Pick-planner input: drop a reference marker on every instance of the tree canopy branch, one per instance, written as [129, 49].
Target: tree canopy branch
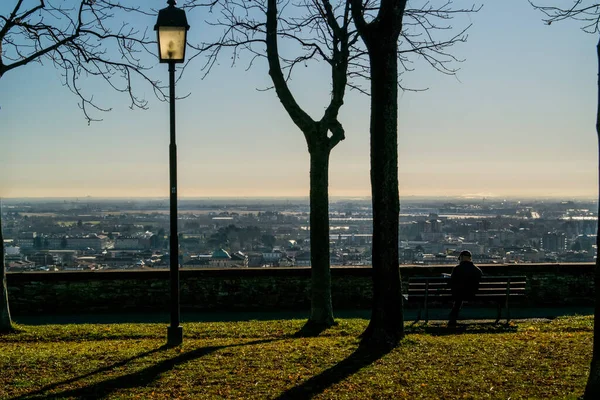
[82, 38]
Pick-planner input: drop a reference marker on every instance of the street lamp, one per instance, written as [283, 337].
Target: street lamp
[171, 31]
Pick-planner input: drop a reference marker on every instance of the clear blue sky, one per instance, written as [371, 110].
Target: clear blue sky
[518, 121]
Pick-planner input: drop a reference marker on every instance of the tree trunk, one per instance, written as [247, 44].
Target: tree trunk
[5, 320]
[592, 389]
[319, 147]
[386, 327]
[321, 312]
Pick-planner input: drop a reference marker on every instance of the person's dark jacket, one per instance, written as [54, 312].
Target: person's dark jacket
[464, 281]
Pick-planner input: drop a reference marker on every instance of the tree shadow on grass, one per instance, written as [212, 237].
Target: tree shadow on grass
[362, 357]
[9, 331]
[107, 368]
[311, 329]
[139, 378]
[474, 328]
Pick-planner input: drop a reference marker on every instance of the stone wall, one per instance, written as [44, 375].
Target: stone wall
[258, 288]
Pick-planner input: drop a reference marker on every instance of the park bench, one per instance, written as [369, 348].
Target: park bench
[501, 290]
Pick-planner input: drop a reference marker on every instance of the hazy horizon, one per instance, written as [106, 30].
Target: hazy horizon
[304, 198]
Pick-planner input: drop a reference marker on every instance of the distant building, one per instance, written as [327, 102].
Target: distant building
[19, 265]
[585, 242]
[25, 240]
[255, 259]
[222, 259]
[198, 261]
[474, 248]
[128, 242]
[63, 256]
[272, 257]
[239, 259]
[55, 242]
[303, 259]
[286, 262]
[408, 255]
[43, 258]
[117, 260]
[479, 236]
[554, 242]
[435, 225]
[93, 241]
[10, 251]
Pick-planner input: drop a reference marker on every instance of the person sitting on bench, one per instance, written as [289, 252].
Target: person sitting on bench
[464, 283]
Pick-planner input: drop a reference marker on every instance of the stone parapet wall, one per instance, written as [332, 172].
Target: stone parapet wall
[258, 288]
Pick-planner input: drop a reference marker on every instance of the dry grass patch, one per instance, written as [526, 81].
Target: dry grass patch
[263, 360]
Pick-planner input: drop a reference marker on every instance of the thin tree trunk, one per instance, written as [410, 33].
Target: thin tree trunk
[319, 148]
[5, 320]
[592, 389]
[386, 327]
[321, 313]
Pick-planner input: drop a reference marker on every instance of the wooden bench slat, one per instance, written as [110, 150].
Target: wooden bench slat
[438, 288]
[423, 280]
[481, 289]
[478, 294]
[504, 278]
[485, 278]
[499, 289]
[485, 285]
[503, 296]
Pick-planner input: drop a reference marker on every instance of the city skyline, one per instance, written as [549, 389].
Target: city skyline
[518, 121]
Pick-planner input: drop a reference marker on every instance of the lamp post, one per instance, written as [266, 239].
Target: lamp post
[171, 30]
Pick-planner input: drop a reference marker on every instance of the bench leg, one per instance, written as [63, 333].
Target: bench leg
[507, 296]
[418, 315]
[499, 315]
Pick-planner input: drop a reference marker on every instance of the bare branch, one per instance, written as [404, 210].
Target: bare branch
[298, 115]
[585, 11]
[83, 38]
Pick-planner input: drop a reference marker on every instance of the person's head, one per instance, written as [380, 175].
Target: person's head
[465, 255]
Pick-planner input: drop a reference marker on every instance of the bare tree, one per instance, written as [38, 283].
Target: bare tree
[389, 31]
[326, 31]
[320, 30]
[83, 39]
[321, 137]
[5, 320]
[588, 13]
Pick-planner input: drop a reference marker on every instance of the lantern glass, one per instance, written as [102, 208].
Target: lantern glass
[171, 43]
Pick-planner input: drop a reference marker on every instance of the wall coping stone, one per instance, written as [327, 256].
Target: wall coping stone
[336, 271]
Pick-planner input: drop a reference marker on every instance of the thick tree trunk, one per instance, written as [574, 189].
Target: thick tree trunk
[5, 320]
[321, 313]
[592, 389]
[386, 327]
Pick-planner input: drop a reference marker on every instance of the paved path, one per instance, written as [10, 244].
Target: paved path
[409, 315]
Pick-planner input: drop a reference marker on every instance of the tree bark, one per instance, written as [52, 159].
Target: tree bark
[592, 389]
[5, 320]
[319, 148]
[386, 327]
[321, 312]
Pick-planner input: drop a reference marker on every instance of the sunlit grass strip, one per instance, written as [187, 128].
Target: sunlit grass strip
[263, 359]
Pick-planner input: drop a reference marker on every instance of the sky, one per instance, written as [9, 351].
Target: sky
[518, 120]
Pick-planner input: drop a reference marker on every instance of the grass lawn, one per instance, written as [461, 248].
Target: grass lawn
[265, 360]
